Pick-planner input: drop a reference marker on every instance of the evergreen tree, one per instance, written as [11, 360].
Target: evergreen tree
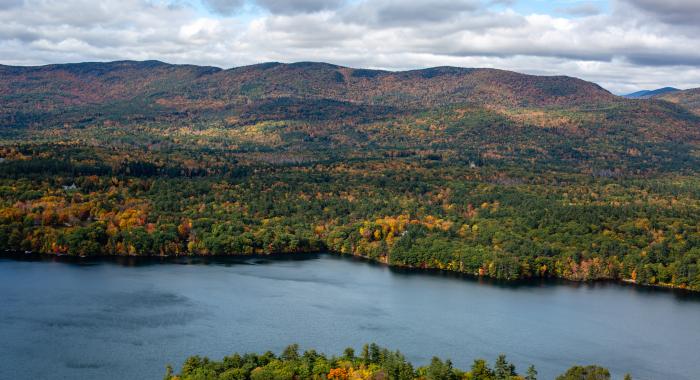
[531, 373]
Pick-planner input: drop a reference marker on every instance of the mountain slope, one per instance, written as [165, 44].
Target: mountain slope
[46, 89]
[59, 86]
[310, 111]
[646, 94]
[440, 85]
[689, 99]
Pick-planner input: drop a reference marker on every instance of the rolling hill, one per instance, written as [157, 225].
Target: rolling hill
[324, 111]
[93, 83]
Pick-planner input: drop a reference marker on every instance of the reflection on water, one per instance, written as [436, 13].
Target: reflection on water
[127, 317]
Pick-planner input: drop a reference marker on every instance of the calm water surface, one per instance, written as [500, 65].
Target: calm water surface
[127, 319]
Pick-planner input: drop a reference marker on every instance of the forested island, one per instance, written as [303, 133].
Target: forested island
[477, 171]
[374, 362]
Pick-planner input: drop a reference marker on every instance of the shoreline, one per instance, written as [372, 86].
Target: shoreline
[132, 260]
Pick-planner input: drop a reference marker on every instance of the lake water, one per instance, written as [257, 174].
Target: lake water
[127, 319]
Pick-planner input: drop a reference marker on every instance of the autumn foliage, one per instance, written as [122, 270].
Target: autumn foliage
[477, 171]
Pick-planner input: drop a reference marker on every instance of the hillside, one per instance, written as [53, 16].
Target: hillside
[53, 86]
[689, 99]
[646, 94]
[480, 171]
[419, 88]
[87, 93]
[324, 111]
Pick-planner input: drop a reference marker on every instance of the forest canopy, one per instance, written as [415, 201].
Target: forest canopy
[371, 363]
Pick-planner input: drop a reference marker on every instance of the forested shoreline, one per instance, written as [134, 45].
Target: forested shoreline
[508, 228]
[372, 362]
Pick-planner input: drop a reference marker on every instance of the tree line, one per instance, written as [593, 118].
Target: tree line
[372, 363]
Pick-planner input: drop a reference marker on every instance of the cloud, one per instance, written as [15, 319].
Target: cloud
[632, 45]
[397, 12]
[502, 2]
[299, 6]
[287, 7]
[226, 7]
[580, 10]
[670, 11]
[7, 4]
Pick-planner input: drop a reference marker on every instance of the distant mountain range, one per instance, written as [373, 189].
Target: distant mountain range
[688, 99]
[46, 88]
[645, 94]
[328, 110]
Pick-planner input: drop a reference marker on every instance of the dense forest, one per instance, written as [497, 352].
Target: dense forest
[479, 171]
[373, 363]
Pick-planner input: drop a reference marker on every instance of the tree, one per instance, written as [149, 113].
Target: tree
[503, 370]
[365, 354]
[481, 371]
[290, 353]
[439, 370]
[338, 374]
[395, 365]
[531, 373]
[590, 372]
[349, 354]
[375, 353]
[168, 372]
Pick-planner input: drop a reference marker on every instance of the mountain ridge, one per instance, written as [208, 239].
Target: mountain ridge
[335, 75]
[327, 108]
[645, 94]
[338, 107]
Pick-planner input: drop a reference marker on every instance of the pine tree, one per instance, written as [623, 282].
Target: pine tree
[531, 373]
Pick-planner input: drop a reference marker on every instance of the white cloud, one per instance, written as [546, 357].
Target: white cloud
[631, 47]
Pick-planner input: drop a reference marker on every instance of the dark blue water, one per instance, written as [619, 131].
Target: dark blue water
[128, 319]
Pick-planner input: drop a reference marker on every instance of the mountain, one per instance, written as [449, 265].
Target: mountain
[440, 85]
[40, 90]
[57, 88]
[323, 111]
[645, 94]
[689, 99]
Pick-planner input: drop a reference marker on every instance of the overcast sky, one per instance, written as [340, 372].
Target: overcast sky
[624, 45]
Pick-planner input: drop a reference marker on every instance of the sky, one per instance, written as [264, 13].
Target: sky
[623, 45]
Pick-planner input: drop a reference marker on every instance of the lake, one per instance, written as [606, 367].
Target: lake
[128, 318]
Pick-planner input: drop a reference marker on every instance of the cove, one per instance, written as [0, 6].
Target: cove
[128, 318]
